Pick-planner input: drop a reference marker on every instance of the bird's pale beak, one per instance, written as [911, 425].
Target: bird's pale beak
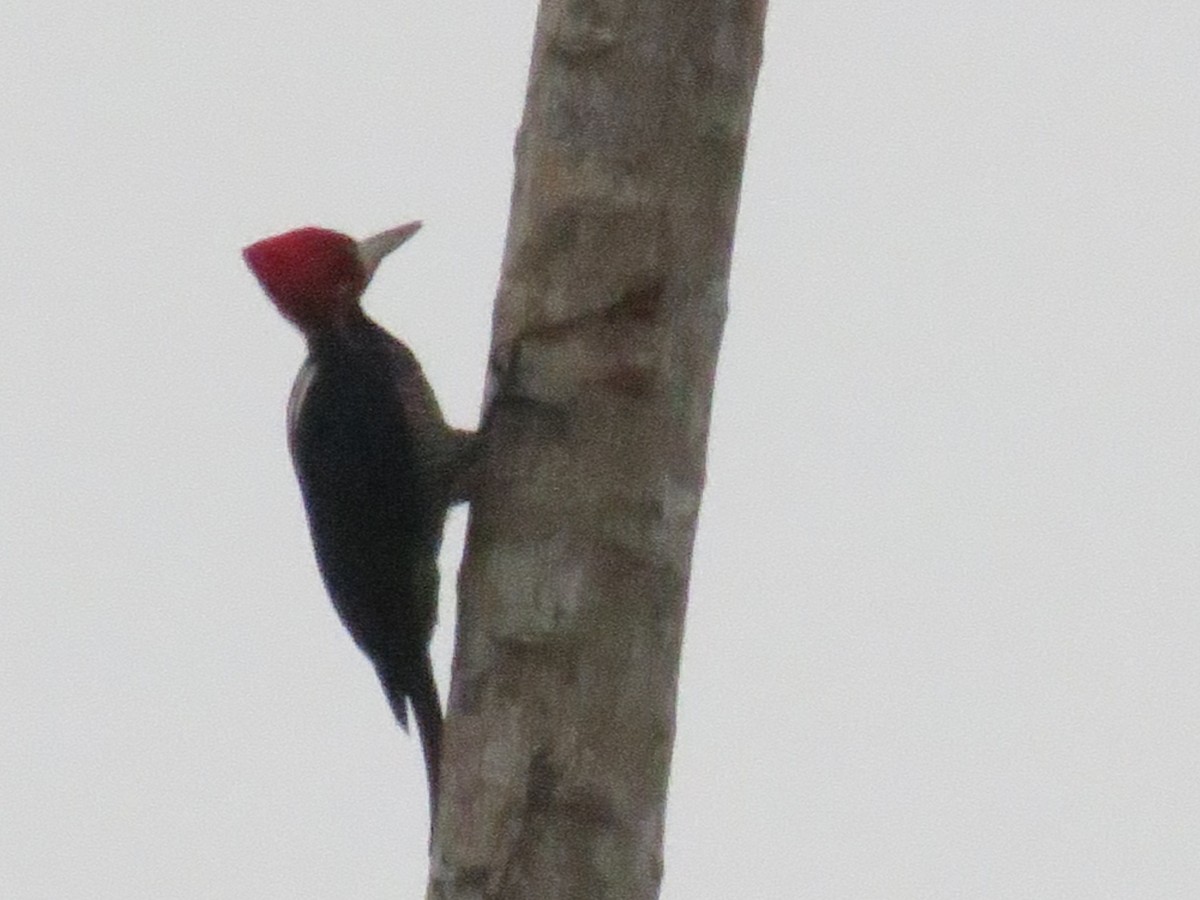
[372, 250]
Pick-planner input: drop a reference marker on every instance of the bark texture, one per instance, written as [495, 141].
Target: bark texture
[605, 336]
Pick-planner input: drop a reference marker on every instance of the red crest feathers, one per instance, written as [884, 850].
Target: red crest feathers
[314, 276]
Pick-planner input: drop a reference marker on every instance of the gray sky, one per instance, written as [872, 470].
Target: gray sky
[944, 638]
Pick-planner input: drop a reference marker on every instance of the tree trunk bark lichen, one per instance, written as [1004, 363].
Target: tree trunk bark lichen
[605, 335]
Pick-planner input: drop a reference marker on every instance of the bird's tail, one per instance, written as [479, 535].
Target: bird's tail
[423, 694]
[416, 686]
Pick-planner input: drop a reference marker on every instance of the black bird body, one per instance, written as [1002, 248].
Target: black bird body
[377, 466]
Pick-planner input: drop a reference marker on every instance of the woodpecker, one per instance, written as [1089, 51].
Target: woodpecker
[377, 464]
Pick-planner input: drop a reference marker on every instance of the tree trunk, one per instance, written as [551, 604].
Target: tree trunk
[606, 330]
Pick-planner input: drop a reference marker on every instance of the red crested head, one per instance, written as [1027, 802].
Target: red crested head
[315, 276]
